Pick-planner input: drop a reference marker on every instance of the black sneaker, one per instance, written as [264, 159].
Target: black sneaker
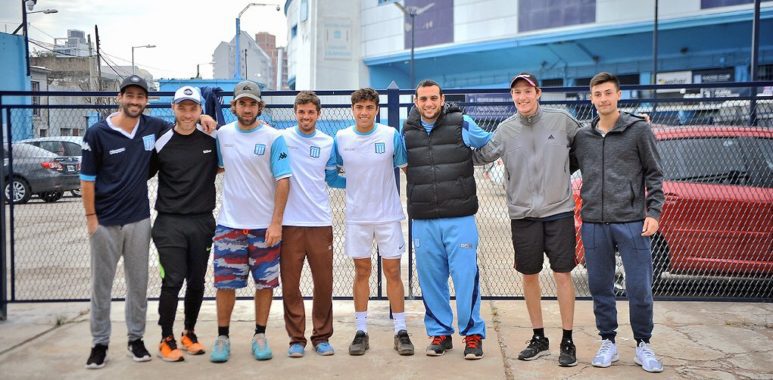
[473, 347]
[538, 347]
[360, 344]
[403, 344]
[568, 357]
[138, 352]
[98, 357]
[440, 344]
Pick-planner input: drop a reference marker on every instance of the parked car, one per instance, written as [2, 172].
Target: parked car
[66, 146]
[717, 219]
[40, 172]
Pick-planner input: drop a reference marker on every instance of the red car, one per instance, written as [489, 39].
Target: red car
[717, 219]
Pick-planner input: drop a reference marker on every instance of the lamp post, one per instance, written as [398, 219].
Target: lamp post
[27, 7]
[412, 12]
[139, 47]
[237, 51]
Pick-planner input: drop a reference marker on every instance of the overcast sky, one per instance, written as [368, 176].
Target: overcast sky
[185, 32]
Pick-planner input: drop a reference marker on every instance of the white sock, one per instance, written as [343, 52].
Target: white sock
[361, 318]
[399, 319]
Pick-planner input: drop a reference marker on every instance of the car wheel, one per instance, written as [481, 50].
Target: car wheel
[21, 190]
[660, 262]
[76, 193]
[51, 196]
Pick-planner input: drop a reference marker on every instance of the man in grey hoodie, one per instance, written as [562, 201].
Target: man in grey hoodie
[534, 146]
[618, 160]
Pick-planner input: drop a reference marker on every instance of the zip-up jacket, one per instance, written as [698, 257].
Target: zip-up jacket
[616, 168]
[535, 152]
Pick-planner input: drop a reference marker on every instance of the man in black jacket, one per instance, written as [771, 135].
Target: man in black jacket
[619, 160]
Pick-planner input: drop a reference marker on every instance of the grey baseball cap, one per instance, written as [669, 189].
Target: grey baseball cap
[247, 89]
[134, 80]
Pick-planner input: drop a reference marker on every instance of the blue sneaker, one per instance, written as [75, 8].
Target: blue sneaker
[295, 350]
[324, 349]
[221, 350]
[260, 348]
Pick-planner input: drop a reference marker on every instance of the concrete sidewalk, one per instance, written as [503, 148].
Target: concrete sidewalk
[694, 340]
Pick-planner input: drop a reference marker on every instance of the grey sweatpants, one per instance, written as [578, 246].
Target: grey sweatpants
[108, 244]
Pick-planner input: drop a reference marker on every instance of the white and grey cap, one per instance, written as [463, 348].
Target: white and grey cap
[247, 89]
[187, 93]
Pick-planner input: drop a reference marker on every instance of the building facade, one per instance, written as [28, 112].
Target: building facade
[483, 43]
[255, 64]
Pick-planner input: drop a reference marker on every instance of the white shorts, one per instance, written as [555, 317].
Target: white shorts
[389, 239]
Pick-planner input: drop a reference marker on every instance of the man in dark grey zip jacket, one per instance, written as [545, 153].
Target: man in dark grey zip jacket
[618, 160]
[534, 146]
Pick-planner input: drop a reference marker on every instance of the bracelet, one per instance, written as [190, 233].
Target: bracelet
[93, 213]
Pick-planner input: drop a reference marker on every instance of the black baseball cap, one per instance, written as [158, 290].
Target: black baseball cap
[134, 80]
[529, 78]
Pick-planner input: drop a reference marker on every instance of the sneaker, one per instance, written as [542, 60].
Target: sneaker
[221, 350]
[606, 355]
[295, 350]
[138, 352]
[324, 349]
[360, 343]
[190, 343]
[168, 351]
[568, 356]
[403, 344]
[646, 358]
[473, 347]
[439, 345]
[98, 357]
[260, 348]
[538, 347]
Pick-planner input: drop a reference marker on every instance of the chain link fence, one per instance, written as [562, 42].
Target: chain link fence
[715, 241]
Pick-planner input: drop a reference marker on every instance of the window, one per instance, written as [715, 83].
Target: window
[294, 31]
[724, 3]
[36, 99]
[546, 14]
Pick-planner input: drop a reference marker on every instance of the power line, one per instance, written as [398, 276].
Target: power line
[51, 50]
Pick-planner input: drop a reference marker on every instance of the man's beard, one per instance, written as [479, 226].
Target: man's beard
[132, 114]
[246, 121]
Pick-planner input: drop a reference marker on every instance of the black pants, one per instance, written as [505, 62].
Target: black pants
[183, 244]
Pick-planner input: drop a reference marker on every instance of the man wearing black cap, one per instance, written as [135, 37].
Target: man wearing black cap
[114, 172]
[534, 145]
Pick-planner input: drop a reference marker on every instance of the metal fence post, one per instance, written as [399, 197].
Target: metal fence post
[4, 238]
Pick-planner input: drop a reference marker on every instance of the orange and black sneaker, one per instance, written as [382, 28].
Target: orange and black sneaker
[473, 347]
[439, 345]
[191, 343]
[168, 351]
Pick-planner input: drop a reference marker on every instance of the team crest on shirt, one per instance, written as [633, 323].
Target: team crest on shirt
[149, 141]
[260, 149]
[380, 148]
[314, 151]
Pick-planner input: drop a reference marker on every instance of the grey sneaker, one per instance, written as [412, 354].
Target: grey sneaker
[568, 356]
[606, 355]
[538, 347]
[403, 344]
[360, 343]
[646, 358]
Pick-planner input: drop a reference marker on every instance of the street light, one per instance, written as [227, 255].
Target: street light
[45, 11]
[412, 12]
[237, 64]
[27, 7]
[138, 47]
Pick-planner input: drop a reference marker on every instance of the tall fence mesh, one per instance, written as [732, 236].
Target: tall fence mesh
[715, 238]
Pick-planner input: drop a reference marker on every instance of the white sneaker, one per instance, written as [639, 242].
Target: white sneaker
[606, 355]
[646, 358]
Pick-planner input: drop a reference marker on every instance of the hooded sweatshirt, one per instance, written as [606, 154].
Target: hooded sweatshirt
[616, 168]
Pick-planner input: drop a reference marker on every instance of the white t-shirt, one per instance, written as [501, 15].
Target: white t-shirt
[369, 161]
[253, 161]
[308, 204]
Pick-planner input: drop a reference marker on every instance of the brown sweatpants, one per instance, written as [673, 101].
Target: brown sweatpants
[316, 244]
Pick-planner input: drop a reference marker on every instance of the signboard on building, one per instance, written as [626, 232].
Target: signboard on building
[714, 75]
[337, 39]
[674, 77]
[434, 22]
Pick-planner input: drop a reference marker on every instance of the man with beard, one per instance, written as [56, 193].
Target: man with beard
[114, 172]
[186, 161]
[442, 204]
[256, 184]
[308, 228]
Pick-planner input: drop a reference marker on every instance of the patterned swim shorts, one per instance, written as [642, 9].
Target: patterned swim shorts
[239, 252]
